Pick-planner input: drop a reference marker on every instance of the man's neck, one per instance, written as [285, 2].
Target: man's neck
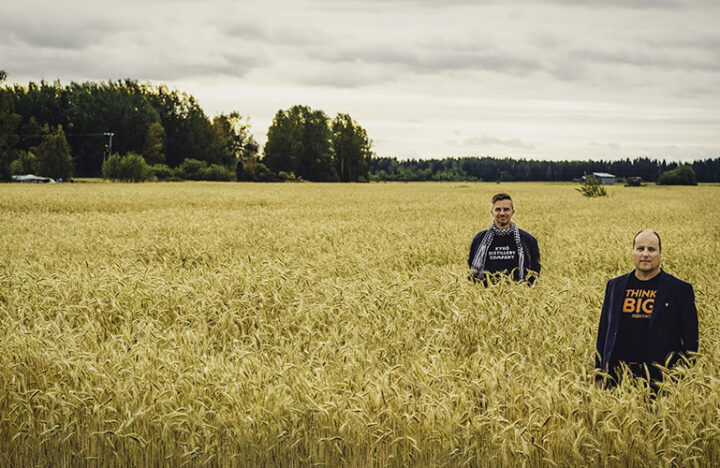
[502, 228]
[646, 276]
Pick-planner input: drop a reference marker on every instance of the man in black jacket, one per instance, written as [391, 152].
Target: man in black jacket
[503, 248]
[648, 317]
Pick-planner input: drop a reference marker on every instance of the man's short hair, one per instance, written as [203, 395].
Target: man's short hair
[501, 196]
[656, 235]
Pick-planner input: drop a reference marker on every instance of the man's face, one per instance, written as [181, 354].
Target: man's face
[646, 252]
[502, 211]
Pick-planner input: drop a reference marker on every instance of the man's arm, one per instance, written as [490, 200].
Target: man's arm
[473, 248]
[534, 255]
[602, 331]
[689, 324]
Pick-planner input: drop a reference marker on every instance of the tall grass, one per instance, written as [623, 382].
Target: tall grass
[262, 325]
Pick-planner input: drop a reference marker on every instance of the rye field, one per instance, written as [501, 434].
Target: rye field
[227, 324]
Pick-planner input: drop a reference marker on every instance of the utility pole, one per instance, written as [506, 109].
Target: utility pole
[108, 147]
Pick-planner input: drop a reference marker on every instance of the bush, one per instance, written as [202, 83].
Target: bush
[253, 170]
[26, 163]
[130, 168]
[161, 171]
[111, 168]
[681, 175]
[191, 169]
[289, 176]
[591, 187]
[134, 167]
[217, 173]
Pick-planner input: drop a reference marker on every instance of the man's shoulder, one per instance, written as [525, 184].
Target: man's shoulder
[619, 279]
[675, 281]
[526, 235]
[480, 234]
[666, 277]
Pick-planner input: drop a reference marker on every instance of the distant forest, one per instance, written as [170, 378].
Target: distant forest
[88, 123]
[507, 169]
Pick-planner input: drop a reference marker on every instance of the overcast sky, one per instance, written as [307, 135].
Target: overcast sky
[553, 79]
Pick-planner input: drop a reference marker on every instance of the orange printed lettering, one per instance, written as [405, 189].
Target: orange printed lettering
[647, 306]
[629, 305]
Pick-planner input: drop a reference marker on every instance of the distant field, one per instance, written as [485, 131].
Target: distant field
[302, 324]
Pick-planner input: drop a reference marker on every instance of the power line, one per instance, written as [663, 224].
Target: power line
[108, 146]
[67, 134]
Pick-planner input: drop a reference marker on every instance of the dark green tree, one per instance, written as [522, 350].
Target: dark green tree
[232, 140]
[188, 130]
[26, 163]
[299, 142]
[681, 175]
[154, 145]
[53, 154]
[351, 149]
[9, 139]
[129, 110]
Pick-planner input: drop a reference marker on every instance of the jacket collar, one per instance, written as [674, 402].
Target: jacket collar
[663, 290]
[618, 298]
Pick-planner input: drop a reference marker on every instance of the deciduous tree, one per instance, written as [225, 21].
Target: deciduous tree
[232, 140]
[351, 149]
[154, 145]
[9, 121]
[53, 154]
[299, 141]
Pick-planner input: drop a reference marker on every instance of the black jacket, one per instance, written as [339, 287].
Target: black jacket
[529, 244]
[673, 327]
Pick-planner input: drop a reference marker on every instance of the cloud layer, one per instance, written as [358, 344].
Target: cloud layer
[556, 78]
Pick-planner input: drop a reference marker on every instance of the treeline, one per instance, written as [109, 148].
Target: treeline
[507, 169]
[125, 130]
[82, 125]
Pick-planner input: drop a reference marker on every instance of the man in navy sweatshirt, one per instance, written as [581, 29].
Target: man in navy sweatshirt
[648, 318]
[504, 248]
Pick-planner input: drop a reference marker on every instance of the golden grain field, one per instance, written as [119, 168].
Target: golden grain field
[225, 324]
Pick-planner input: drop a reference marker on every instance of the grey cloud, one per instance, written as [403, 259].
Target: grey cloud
[246, 31]
[339, 80]
[174, 68]
[428, 60]
[488, 140]
[693, 92]
[283, 36]
[97, 65]
[711, 43]
[343, 75]
[56, 35]
[707, 44]
[639, 58]
[624, 4]
[629, 4]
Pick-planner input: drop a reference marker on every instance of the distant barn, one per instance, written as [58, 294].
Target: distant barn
[604, 178]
